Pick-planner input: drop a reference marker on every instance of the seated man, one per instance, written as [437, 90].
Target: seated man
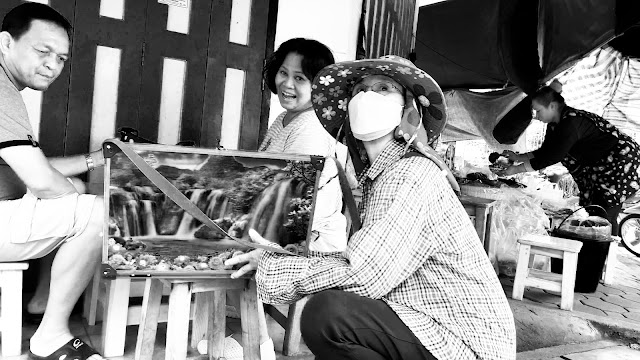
[40, 209]
[414, 281]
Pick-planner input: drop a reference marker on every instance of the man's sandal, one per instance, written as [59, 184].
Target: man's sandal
[75, 349]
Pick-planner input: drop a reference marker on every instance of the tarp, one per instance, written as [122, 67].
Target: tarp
[481, 44]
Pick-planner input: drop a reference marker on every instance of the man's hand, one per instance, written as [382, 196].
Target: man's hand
[249, 260]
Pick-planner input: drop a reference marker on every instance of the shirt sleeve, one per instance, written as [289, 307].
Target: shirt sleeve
[378, 258]
[556, 145]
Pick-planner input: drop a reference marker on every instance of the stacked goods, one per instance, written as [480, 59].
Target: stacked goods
[590, 228]
[130, 254]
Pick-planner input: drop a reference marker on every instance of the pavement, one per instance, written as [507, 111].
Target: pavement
[604, 325]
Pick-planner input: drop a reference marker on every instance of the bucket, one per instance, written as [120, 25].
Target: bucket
[591, 257]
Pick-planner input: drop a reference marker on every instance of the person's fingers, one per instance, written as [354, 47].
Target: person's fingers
[242, 271]
[236, 260]
[407, 137]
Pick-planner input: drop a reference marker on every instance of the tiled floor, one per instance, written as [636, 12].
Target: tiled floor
[92, 335]
[619, 301]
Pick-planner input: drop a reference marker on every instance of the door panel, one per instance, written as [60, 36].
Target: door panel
[249, 58]
[127, 36]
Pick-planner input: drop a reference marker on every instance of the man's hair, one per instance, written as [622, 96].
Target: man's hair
[315, 56]
[18, 21]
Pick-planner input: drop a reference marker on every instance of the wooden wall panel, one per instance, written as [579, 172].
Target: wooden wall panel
[92, 30]
[388, 27]
[249, 58]
[191, 47]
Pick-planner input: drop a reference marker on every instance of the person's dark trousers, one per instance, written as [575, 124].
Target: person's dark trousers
[338, 325]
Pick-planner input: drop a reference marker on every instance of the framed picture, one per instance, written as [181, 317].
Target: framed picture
[148, 234]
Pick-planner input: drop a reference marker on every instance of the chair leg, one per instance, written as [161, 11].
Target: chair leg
[91, 295]
[217, 324]
[249, 321]
[202, 304]
[522, 269]
[178, 321]
[569, 267]
[11, 313]
[610, 265]
[292, 335]
[114, 325]
[148, 327]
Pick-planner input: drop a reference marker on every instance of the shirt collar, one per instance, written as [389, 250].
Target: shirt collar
[390, 154]
[3, 67]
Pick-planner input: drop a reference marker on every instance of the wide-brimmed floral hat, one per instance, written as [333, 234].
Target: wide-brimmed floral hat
[331, 90]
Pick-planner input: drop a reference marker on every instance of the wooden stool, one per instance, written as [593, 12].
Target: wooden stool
[612, 260]
[11, 308]
[209, 319]
[553, 247]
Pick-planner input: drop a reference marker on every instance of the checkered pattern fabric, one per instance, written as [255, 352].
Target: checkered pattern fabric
[418, 251]
[606, 83]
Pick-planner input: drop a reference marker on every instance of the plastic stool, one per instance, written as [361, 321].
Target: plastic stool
[554, 247]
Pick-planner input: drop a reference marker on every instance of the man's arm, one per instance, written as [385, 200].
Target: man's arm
[77, 164]
[33, 168]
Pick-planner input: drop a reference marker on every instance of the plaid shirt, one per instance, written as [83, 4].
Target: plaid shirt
[417, 251]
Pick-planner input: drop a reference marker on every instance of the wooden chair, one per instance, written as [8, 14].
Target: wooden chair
[209, 319]
[553, 247]
[11, 308]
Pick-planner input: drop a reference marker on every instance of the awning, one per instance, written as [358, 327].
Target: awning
[470, 44]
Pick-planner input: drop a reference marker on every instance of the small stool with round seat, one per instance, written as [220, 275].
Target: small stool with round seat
[554, 247]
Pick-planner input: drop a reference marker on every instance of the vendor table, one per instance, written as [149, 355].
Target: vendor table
[480, 211]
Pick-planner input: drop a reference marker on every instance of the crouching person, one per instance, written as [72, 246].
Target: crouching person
[414, 281]
[40, 209]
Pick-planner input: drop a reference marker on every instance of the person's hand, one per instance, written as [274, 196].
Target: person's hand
[250, 260]
[410, 128]
[508, 171]
[512, 156]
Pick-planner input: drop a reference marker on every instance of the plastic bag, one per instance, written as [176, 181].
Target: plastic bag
[513, 217]
[579, 225]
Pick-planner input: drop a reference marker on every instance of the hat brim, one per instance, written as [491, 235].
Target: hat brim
[331, 91]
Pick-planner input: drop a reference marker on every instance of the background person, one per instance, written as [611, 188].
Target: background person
[414, 281]
[40, 209]
[288, 73]
[603, 161]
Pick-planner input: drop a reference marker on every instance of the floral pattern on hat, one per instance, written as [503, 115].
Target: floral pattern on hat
[332, 86]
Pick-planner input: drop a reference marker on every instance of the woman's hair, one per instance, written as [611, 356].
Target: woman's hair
[315, 56]
[548, 94]
[18, 21]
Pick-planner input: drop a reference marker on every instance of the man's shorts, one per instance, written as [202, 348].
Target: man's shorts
[31, 228]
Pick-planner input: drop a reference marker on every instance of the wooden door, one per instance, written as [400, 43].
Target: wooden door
[171, 77]
[173, 73]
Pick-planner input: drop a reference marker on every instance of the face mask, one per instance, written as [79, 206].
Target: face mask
[372, 115]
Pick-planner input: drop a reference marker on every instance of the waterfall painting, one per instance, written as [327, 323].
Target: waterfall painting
[273, 194]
